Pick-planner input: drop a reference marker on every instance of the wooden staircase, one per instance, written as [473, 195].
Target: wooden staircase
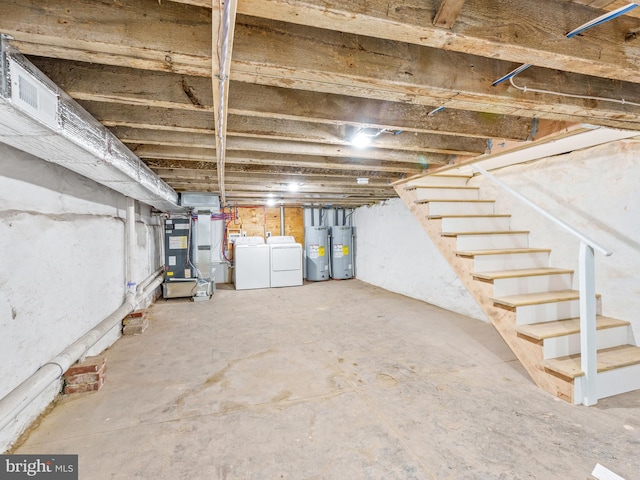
[531, 304]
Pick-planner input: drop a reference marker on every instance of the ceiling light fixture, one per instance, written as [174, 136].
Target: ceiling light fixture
[361, 140]
[362, 181]
[293, 187]
[271, 202]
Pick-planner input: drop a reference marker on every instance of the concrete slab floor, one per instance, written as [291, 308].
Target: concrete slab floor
[332, 380]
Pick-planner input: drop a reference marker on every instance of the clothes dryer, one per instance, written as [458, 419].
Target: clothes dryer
[286, 261]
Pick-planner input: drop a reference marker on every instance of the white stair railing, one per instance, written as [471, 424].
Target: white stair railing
[587, 281]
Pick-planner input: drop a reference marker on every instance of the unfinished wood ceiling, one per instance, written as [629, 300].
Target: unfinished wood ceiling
[304, 77]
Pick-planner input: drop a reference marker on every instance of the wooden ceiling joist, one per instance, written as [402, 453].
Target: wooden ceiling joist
[447, 13]
[304, 77]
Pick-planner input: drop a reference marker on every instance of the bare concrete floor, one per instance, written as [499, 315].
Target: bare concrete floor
[333, 380]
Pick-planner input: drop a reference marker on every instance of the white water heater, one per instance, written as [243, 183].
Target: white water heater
[341, 252]
[316, 247]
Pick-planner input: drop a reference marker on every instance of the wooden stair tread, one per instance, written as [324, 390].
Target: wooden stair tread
[570, 326]
[554, 296]
[446, 187]
[457, 201]
[608, 359]
[493, 232]
[519, 273]
[470, 215]
[450, 174]
[477, 253]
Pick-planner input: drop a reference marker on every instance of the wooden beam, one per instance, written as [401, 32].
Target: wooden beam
[362, 66]
[304, 132]
[236, 187]
[298, 196]
[259, 169]
[265, 177]
[514, 31]
[122, 85]
[105, 83]
[407, 114]
[447, 13]
[270, 158]
[71, 32]
[163, 36]
[293, 149]
[287, 160]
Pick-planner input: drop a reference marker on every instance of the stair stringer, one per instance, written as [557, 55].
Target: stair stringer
[530, 354]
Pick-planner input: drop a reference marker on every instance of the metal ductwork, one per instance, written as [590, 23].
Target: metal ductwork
[37, 117]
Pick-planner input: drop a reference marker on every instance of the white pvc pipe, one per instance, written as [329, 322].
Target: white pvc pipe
[20, 397]
[142, 285]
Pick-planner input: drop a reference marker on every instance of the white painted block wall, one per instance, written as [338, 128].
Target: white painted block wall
[597, 191]
[393, 252]
[62, 268]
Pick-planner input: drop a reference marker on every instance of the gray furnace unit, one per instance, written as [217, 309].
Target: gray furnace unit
[341, 252]
[316, 247]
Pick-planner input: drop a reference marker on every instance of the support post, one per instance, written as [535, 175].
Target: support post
[588, 347]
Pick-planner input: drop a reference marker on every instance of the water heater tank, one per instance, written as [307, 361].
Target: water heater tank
[341, 252]
[316, 247]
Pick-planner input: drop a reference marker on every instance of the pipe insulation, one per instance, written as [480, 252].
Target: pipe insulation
[19, 398]
[37, 117]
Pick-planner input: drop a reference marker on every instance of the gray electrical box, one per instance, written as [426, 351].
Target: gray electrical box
[178, 249]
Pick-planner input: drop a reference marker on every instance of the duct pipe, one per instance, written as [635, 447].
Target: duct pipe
[19, 398]
[281, 220]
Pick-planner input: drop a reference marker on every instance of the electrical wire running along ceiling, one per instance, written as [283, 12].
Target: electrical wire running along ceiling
[274, 111]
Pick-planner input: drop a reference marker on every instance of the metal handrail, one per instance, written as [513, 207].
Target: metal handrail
[540, 210]
[588, 343]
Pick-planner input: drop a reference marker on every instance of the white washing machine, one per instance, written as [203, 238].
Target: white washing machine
[252, 263]
[286, 261]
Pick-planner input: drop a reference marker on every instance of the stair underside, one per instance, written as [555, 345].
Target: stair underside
[519, 273]
[608, 359]
[514, 301]
[559, 328]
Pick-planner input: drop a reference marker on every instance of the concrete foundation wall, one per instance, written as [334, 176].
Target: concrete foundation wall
[394, 252]
[595, 191]
[63, 264]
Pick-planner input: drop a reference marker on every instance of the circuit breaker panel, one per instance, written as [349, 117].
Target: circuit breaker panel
[177, 249]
